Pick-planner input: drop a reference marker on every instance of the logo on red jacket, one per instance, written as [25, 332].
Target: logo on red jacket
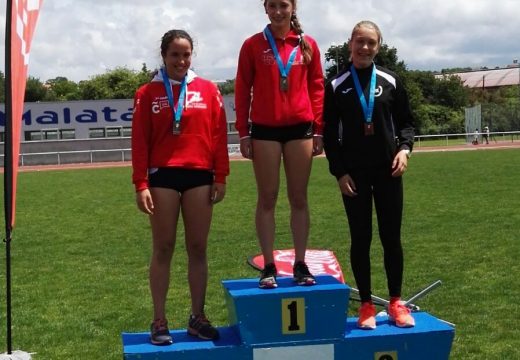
[194, 100]
[269, 59]
[160, 103]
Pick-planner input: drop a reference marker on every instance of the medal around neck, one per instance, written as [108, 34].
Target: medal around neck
[284, 84]
[284, 69]
[177, 113]
[369, 129]
[176, 128]
[366, 105]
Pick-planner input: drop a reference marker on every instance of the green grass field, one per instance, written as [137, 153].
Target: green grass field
[440, 141]
[80, 253]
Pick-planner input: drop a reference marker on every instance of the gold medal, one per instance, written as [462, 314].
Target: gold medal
[284, 84]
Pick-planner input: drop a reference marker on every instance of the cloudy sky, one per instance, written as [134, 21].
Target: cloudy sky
[82, 38]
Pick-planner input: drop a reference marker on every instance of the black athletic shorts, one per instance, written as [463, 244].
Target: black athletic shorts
[282, 134]
[179, 179]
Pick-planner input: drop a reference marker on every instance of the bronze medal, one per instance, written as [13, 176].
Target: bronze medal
[369, 129]
[284, 84]
[176, 128]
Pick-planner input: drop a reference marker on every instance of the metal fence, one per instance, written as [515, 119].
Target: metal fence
[464, 138]
[86, 156]
[122, 155]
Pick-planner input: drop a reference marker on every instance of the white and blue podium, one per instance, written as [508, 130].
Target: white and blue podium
[298, 322]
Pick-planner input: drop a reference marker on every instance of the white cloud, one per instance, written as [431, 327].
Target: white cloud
[82, 38]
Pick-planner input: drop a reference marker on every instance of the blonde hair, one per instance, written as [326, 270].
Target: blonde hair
[368, 24]
[305, 47]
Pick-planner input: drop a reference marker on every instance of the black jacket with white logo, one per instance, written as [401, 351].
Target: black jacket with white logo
[346, 145]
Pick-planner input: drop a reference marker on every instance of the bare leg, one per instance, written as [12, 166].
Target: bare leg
[266, 162]
[196, 213]
[297, 159]
[164, 228]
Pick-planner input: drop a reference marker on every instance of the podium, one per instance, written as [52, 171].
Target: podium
[298, 322]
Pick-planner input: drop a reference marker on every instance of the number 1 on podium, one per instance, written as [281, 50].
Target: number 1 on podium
[293, 316]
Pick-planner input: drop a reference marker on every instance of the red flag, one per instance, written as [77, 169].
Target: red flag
[24, 14]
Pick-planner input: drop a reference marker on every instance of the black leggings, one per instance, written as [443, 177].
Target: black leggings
[387, 193]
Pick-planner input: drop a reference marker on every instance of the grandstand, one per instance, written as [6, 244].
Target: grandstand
[486, 79]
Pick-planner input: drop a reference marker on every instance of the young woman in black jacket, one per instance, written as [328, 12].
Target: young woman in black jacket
[368, 137]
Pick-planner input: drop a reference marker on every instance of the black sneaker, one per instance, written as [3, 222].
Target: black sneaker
[159, 333]
[268, 277]
[302, 275]
[199, 325]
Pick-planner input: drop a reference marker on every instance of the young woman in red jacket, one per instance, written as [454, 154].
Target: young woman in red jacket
[180, 163]
[279, 99]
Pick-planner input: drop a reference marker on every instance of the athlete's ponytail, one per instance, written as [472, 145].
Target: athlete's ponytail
[304, 44]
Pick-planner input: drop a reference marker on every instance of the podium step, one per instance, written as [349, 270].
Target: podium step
[289, 313]
[137, 346]
[430, 339]
[295, 322]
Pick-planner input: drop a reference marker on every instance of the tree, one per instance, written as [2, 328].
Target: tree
[414, 89]
[425, 80]
[387, 57]
[438, 119]
[35, 90]
[449, 91]
[144, 75]
[120, 83]
[227, 88]
[339, 56]
[455, 70]
[61, 88]
[436, 103]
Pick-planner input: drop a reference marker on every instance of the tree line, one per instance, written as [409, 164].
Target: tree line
[119, 83]
[437, 102]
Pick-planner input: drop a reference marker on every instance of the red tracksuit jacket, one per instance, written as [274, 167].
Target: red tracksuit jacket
[202, 143]
[257, 92]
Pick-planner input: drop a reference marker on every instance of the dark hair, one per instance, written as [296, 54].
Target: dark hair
[305, 47]
[171, 35]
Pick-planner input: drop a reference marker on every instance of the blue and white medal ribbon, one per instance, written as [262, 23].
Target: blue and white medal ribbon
[177, 113]
[284, 69]
[368, 107]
